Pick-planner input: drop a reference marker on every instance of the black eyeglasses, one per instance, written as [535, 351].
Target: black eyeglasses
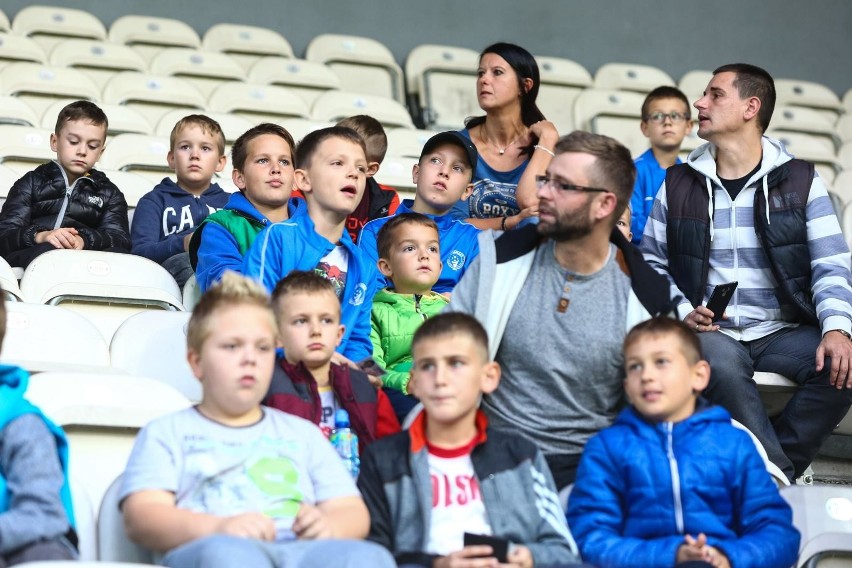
[542, 181]
[662, 116]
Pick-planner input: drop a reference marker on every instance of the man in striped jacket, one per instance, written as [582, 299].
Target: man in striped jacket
[742, 209]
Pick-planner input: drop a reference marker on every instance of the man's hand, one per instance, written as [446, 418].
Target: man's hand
[62, 238]
[701, 319]
[248, 525]
[468, 557]
[311, 524]
[839, 348]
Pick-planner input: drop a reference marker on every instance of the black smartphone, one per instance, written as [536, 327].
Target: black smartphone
[499, 546]
[370, 367]
[720, 298]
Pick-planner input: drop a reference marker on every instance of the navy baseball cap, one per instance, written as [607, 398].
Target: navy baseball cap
[452, 137]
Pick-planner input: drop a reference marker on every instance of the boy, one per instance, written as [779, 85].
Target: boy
[36, 518]
[66, 203]
[623, 223]
[166, 217]
[229, 483]
[442, 177]
[262, 158]
[331, 170]
[673, 480]
[450, 473]
[306, 383]
[410, 258]
[665, 122]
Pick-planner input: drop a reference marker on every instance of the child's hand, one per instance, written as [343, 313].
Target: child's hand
[468, 557]
[692, 549]
[62, 238]
[716, 557]
[520, 557]
[248, 525]
[311, 524]
[515, 220]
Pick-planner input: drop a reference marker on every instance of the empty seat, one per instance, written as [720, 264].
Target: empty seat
[336, 105]
[205, 70]
[407, 142]
[132, 186]
[100, 60]
[152, 95]
[805, 120]
[812, 148]
[4, 22]
[113, 543]
[561, 82]
[9, 282]
[631, 77]
[842, 186]
[8, 177]
[258, 102]
[299, 127]
[41, 85]
[232, 125]
[148, 35]
[22, 147]
[122, 119]
[844, 155]
[808, 94]
[307, 79]
[693, 84]
[823, 516]
[396, 172]
[246, 44]
[847, 101]
[15, 48]
[442, 82]
[139, 154]
[15, 111]
[153, 344]
[613, 113]
[843, 128]
[364, 65]
[49, 25]
[48, 338]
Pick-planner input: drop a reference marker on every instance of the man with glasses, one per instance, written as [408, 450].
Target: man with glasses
[557, 299]
[743, 210]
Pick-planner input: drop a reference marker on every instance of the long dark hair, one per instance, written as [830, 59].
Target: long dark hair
[525, 67]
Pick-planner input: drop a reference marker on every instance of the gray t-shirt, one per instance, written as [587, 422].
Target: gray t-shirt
[562, 372]
[271, 466]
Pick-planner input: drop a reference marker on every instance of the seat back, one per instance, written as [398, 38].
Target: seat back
[113, 543]
[40, 85]
[246, 44]
[823, 515]
[132, 186]
[139, 154]
[613, 113]
[818, 150]
[693, 84]
[149, 35]
[205, 70]
[631, 77]
[442, 80]
[333, 106]
[808, 94]
[396, 172]
[48, 25]
[232, 125]
[805, 120]
[152, 95]
[122, 119]
[22, 148]
[9, 282]
[407, 142]
[100, 60]
[13, 110]
[258, 102]
[561, 82]
[308, 79]
[17, 49]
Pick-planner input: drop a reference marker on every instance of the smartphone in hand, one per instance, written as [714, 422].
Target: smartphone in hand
[499, 546]
[720, 298]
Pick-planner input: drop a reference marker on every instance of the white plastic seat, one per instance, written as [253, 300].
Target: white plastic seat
[47, 338]
[631, 77]
[8, 177]
[140, 154]
[843, 128]
[15, 111]
[5, 26]
[100, 60]
[336, 105]
[191, 294]
[613, 113]
[300, 127]
[203, 69]
[842, 186]
[246, 44]
[49, 25]
[815, 149]
[561, 82]
[15, 49]
[847, 101]
[307, 79]
[844, 156]
[693, 84]
[258, 102]
[149, 35]
[113, 543]
[808, 94]
[407, 142]
[823, 516]
[364, 65]
[9, 282]
[804, 120]
[776, 390]
[40, 85]
[232, 125]
[153, 344]
[152, 95]
[132, 186]
[442, 81]
[396, 172]
[85, 515]
[23, 147]
[122, 119]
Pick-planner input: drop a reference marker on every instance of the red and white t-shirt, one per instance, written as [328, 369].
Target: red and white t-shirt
[457, 505]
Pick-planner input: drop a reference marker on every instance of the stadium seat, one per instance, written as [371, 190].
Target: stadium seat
[307, 79]
[613, 113]
[113, 544]
[153, 344]
[205, 70]
[8, 177]
[690, 142]
[407, 142]
[842, 186]
[16, 49]
[561, 82]
[49, 25]
[804, 120]
[41, 85]
[258, 102]
[364, 65]
[132, 186]
[139, 154]
[693, 84]
[823, 516]
[441, 82]
[122, 119]
[812, 148]
[808, 94]
[775, 392]
[847, 101]
[15, 111]
[232, 125]
[336, 105]
[844, 155]
[246, 44]
[299, 127]
[843, 128]
[152, 95]
[100, 60]
[148, 35]
[5, 26]
[9, 282]
[631, 77]
[191, 294]
[85, 515]
[22, 148]
[105, 287]
[396, 172]
[48, 338]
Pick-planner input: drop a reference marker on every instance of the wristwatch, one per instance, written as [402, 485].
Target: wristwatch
[845, 333]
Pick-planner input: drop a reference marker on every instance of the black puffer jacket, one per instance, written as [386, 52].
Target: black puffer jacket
[97, 209]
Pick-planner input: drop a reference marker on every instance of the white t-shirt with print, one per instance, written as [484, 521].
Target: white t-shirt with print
[333, 267]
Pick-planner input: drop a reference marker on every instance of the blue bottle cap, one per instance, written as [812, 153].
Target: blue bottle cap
[341, 419]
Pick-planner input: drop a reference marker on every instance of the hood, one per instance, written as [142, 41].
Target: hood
[704, 414]
[387, 296]
[238, 202]
[170, 187]
[13, 385]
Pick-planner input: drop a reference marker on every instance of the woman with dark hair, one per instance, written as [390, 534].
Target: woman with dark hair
[514, 140]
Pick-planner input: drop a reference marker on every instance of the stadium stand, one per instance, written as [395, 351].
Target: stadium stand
[14, 110]
[15, 48]
[48, 25]
[257, 102]
[407, 142]
[299, 127]
[333, 106]
[843, 128]
[22, 148]
[4, 22]
[149, 35]
[113, 544]
[816, 149]
[152, 95]
[100, 60]
[614, 113]
[40, 85]
[693, 84]
[631, 77]
[844, 155]
[808, 94]
[805, 120]
[131, 185]
[561, 81]
[847, 101]
[9, 282]
[441, 85]
[139, 154]
[246, 44]
[122, 119]
[232, 124]
[307, 79]
[396, 172]
[205, 70]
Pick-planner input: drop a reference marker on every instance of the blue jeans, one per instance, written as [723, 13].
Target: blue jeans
[224, 551]
[792, 439]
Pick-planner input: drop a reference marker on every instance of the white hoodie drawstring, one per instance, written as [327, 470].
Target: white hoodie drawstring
[710, 204]
[766, 196]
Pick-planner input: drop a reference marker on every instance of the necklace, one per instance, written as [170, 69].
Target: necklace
[500, 150]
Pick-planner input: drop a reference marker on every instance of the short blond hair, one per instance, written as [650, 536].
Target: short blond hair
[207, 126]
[232, 290]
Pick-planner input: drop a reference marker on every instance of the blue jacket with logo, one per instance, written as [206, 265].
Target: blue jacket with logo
[642, 486]
[459, 246]
[295, 245]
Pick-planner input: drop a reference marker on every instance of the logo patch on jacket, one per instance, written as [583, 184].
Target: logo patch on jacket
[456, 260]
[359, 295]
[96, 200]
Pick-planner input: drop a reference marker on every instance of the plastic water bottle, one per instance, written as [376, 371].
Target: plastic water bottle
[345, 442]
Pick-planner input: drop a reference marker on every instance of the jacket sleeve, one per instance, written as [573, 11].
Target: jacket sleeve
[397, 380]
[596, 517]
[112, 231]
[371, 486]
[554, 545]
[16, 229]
[217, 252]
[386, 421]
[654, 247]
[641, 204]
[264, 257]
[766, 535]
[358, 346]
[147, 229]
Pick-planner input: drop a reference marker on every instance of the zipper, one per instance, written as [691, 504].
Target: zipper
[417, 309]
[678, 506]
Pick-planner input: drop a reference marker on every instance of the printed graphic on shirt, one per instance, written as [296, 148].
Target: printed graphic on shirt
[329, 407]
[175, 221]
[334, 267]
[493, 199]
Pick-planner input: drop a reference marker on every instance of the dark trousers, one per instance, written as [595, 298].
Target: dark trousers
[54, 549]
